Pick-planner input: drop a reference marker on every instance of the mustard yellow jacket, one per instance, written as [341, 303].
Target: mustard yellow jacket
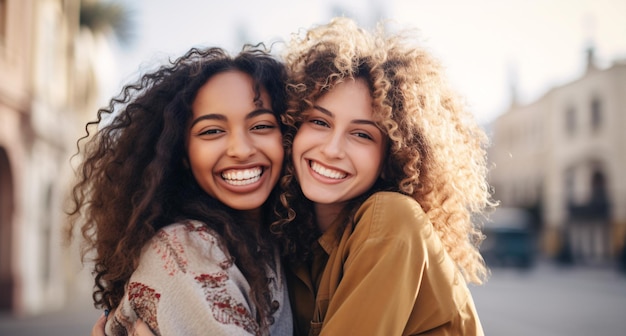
[388, 274]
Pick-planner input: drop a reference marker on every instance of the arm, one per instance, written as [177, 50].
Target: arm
[142, 329]
[98, 328]
[139, 329]
[185, 285]
[397, 278]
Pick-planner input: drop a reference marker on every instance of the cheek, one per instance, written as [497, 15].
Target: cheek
[201, 156]
[273, 146]
[194, 151]
[297, 151]
[378, 160]
[299, 141]
[192, 154]
[279, 154]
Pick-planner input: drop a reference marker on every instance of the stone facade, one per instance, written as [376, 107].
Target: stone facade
[563, 156]
[40, 110]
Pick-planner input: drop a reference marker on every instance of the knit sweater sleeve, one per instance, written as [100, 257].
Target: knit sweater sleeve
[185, 284]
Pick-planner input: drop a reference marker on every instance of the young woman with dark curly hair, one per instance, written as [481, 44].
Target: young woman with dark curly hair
[394, 167]
[175, 195]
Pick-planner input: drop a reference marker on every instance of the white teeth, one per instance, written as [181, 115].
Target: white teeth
[330, 173]
[241, 177]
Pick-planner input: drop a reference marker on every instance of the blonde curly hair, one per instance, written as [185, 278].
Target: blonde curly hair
[436, 152]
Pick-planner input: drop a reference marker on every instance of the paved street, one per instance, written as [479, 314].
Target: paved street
[551, 301]
[76, 320]
[545, 301]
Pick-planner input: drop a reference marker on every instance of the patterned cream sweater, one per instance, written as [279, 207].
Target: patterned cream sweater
[186, 285]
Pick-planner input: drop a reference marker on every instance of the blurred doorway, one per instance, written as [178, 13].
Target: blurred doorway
[589, 229]
[7, 284]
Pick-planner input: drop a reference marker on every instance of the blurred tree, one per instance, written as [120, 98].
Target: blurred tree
[107, 18]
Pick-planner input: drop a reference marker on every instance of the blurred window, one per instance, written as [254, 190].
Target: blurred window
[569, 185]
[596, 114]
[570, 121]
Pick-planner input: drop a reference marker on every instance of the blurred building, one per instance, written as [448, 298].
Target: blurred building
[45, 86]
[563, 157]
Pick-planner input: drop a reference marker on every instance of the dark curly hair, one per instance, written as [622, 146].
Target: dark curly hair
[436, 150]
[132, 180]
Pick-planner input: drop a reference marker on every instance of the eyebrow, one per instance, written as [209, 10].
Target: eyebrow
[221, 117]
[355, 121]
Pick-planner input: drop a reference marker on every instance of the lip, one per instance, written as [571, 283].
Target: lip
[247, 188]
[322, 178]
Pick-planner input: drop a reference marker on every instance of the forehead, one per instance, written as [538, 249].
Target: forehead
[228, 92]
[350, 97]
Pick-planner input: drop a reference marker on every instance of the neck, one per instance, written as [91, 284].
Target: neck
[252, 220]
[326, 215]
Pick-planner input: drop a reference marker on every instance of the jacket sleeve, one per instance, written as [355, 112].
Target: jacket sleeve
[397, 278]
[184, 286]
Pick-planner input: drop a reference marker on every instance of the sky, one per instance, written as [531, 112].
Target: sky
[486, 46]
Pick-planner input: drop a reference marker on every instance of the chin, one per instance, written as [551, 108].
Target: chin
[246, 204]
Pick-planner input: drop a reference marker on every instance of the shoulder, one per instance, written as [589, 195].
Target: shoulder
[188, 241]
[191, 232]
[392, 213]
[387, 204]
[188, 228]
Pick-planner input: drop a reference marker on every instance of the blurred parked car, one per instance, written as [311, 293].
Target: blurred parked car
[510, 240]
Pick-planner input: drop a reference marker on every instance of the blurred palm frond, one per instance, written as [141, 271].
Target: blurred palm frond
[105, 18]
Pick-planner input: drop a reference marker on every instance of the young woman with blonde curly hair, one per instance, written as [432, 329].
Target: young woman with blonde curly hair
[394, 167]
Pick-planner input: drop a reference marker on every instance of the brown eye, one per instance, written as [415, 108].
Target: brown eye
[260, 127]
[319, 122]
[211, 132]
[363, 135]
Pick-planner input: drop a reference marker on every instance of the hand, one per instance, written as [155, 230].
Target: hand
[141, 329]
[98, 328]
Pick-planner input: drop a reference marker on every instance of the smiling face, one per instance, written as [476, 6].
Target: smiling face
[338, 150]
[234, 146]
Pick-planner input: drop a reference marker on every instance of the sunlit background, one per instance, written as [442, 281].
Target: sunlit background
[487, 45]
[547, 80]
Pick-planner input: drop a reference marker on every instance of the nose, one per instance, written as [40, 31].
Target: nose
[240, 146]
[333, 146]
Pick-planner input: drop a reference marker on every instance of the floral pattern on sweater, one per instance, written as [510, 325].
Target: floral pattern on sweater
[187, 284]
